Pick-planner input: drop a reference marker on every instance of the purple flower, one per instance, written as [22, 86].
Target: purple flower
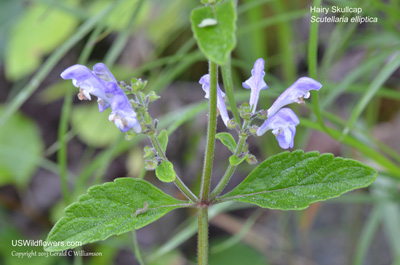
[256, 83]
[122, 114]
[295, 93]
[283, 125]
[90, 83]
[205, 82]
[102, 84]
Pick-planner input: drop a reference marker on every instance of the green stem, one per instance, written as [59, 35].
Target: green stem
[178, 182]
[136, 248]
[228, 83]
[230, 170]
[202, 238]
[212, 127]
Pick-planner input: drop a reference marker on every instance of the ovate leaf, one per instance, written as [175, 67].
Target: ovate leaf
[111, 209]
[216, 41]
[227, 140]
[292, 181]
[165, 171]
[163, 139]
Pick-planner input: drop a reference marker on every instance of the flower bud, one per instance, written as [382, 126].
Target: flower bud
[251, 159]
[151, 164]
[149, 152]
[152, 96]
[245, 111]
[253, 129]
[138, 84]
[231, 124]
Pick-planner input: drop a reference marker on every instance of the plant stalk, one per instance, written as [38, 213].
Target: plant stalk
[212, 126]
[229, 171]
[202, 238]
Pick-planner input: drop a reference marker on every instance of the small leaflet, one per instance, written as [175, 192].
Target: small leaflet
[207, 22]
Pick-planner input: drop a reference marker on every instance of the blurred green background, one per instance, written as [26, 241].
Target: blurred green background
[47, 135]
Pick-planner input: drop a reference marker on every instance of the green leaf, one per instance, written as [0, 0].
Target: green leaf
[21, 149]
[292, 181]
[39, 31]
[235, 160]
[215, 41]
[163, 139]
[227, 140]
[93, 127]
[111, 209]
[165, 171]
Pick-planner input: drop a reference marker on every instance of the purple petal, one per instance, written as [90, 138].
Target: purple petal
[205, 82]
[295, 94]
[256, 82]
[122, 114]
[283, 125]
[101, 71]
[88, 82]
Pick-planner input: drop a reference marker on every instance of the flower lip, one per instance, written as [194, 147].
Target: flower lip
[257, 75]
[294, 94]
[87, 81]
[256, 82]
[283, 125]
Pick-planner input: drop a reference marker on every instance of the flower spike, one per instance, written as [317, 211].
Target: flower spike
[205, 82]
[283, 125]
[296, 93]
[256, 83]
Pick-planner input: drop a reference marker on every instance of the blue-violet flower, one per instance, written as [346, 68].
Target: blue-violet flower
[283, 125]
[122, 114]
[102, 84]
[89, 83]
[256, 83]
[205, 82]
[296, 93]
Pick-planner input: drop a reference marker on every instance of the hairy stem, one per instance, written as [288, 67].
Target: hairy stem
[178, 182]
[212, 126]
[231, 169]
[202, 238]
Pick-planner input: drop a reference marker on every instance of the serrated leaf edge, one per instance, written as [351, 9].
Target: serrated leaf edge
[312, 154]
[87, 196]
